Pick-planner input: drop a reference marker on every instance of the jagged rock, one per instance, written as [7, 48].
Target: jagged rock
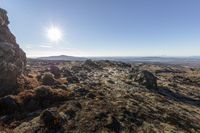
[146, 78]
[3, 17]
[12, 58]
[52, 120]
[55, 71]
[48, 79]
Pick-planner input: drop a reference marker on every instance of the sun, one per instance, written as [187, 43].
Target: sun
[54, 33]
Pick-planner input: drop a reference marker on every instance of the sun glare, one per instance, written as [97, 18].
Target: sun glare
[54, 33]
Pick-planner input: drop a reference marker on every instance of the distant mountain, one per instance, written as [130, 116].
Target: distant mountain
[191, 61]
[63, 58]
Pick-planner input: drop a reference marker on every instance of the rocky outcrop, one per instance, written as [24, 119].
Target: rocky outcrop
[12, 58]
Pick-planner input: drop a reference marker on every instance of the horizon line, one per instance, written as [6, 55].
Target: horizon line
[156, 56]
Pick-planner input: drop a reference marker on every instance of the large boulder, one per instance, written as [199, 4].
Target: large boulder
[146, 78]
[12, 58]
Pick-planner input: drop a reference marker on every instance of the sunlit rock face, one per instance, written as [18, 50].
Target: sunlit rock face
[12, 58]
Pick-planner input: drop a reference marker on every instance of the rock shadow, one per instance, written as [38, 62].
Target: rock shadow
[175, 96]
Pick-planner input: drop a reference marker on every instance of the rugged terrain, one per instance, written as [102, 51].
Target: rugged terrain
[93, 96]
[103, 96]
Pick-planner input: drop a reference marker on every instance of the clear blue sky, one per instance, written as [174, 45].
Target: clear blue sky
[107, 27]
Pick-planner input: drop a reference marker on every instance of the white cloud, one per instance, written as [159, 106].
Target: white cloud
[45, 46]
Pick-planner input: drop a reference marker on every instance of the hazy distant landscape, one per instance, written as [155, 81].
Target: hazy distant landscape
[187, 61]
